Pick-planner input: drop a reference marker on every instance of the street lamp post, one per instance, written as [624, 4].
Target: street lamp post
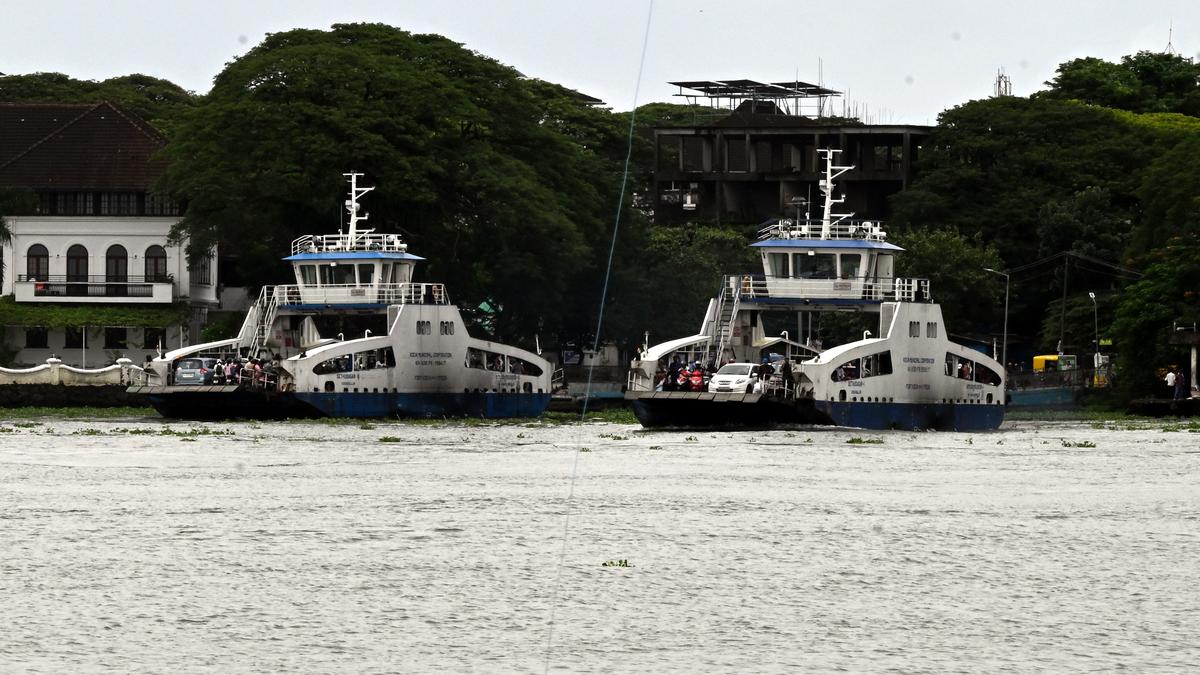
[1004, 340]
[1096, 324]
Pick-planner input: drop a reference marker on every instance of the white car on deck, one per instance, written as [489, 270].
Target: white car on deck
[734, 377]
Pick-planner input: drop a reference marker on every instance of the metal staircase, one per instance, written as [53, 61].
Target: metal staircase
[257, 326]
[727, 309]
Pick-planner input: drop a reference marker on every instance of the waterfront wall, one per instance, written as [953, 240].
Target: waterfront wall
[55, 384]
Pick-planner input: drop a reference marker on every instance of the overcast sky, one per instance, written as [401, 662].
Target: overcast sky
[900, 62]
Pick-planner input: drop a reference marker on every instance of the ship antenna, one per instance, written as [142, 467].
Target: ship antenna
[352, 206]
[829, 218]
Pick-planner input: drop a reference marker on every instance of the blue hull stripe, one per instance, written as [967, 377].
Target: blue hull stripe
[941, 416]
[466, 404]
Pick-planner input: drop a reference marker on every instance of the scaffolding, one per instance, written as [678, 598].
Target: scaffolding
[801, 99]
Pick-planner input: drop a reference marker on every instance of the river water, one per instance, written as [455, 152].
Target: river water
[310, 547]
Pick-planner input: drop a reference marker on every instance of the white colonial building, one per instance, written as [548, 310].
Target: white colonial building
[89, 271]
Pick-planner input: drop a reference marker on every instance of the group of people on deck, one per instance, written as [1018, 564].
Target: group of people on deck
[253, 372]
[685, 377]
[681, 376]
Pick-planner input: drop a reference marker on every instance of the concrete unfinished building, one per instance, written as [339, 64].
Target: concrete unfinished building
[753, 156]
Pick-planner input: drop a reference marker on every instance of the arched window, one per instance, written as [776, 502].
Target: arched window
[116, 264]
[37, 263]
[77, 270]
[156, 263]
[77, 263]
[116, 268]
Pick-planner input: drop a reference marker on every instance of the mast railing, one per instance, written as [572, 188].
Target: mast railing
[787, 228]
[333, 243]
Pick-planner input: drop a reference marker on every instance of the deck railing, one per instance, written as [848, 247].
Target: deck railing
[349, 294]
[756, 287]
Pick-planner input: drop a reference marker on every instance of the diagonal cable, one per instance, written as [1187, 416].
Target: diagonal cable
[587, 394]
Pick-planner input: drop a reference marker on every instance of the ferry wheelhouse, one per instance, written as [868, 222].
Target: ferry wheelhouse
[424, 364]
[907, 375]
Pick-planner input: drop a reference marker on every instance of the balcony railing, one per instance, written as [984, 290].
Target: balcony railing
[74, 288]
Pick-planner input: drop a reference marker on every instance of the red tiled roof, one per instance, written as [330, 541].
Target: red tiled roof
[90, 146]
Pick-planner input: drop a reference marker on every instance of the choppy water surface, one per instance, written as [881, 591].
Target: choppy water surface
[315, 547]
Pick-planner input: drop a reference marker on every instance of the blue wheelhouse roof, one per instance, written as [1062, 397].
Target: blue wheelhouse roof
[355, 255]
[826, 243]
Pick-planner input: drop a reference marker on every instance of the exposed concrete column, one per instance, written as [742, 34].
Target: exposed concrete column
[906, 163]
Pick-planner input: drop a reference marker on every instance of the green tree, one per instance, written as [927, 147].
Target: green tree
[1086, 222]
[1097, 81]
[476, 165]
[956, 268]
[1142, 82]
[1170, 197]
[155, 100]
[1169, 293]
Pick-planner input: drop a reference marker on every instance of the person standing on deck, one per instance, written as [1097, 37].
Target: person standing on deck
[1170, 381]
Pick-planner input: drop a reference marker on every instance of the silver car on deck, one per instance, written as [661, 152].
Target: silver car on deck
[195, 371]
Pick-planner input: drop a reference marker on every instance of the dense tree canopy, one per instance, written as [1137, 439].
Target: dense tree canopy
[1042, 176]
[502, 183]
[1144, 82]
[155, 100]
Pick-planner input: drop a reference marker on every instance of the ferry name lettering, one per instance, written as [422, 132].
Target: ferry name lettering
[974, 386]
[917, 359]
[428, 355]
[910, 385]
[918, 369]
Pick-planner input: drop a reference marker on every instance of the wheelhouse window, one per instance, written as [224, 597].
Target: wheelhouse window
[366, 273]
[779, 264]
[851, 265]
[156, 263]
[816, 265]
[308, 275]
[337, 275]
[37, 263]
